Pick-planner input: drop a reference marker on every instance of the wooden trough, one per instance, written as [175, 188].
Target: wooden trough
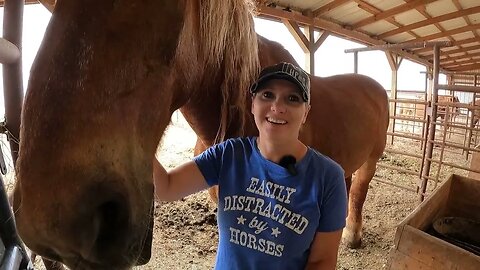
[416, 247]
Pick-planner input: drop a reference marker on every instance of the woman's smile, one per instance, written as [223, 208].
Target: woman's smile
[276, 121]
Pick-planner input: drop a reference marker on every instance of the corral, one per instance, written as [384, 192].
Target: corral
[432, 156]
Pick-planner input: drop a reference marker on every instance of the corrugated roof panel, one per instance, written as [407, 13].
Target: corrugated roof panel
[409, 17]
[319, 3]
[440, 7]
[475, 51]
[468, 3]
[302, 4]
[426, 30]
[462, 36]
[474, 18]
[456, 54]
[399, 38]
[347, 14]
[378, 27]
[385, 5]
[453, 24]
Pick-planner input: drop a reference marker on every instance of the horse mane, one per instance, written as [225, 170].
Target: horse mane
[229, 41]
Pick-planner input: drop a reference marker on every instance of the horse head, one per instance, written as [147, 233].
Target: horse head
[105, 82]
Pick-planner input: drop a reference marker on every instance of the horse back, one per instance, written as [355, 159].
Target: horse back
[348, 119]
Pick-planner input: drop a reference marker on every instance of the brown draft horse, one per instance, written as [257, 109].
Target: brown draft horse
[103, 87]
[348, 122]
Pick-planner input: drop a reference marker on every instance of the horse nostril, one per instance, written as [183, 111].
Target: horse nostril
[112, 223]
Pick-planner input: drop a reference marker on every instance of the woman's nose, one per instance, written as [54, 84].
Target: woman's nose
[279, 106]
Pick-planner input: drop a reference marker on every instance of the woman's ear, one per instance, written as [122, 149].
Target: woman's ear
[306, 114]
[251, 107]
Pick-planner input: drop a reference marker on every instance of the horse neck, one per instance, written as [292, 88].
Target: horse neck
[229, 63]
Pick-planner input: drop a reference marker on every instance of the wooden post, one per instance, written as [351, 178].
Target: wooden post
[306, 42]
[431, 130]
[394, 60]
[310, 53]
[355, 62]
[12, 74]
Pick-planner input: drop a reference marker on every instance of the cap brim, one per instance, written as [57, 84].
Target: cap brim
[282, 76]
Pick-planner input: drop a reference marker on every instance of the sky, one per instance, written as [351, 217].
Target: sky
[330, 59]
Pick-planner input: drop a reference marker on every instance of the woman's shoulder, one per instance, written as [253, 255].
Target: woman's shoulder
[322, 160]
[237, 143]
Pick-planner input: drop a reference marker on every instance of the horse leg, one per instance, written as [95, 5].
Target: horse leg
[348, 183]
[352, 234]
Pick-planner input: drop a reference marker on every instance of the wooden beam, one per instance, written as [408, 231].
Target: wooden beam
[374, 11]
[297, 34]
[467, 61]
[430, 21]
[2, 2]
[427, 51]
[310, 55]
[393, 60]
[467, 20]
[320, 40]
[391, 12]
[467, 68]
[447, 54]
[332, 5]
[451, 59]
[448, 33]
[424, 12]
[49, 4]
[333, 28]
[390, 47]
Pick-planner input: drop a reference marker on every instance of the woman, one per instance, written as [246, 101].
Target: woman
[273, 212]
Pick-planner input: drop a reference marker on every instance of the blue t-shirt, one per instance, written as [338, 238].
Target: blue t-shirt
[268, 218]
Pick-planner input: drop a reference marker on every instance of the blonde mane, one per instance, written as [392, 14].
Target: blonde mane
[229, 41]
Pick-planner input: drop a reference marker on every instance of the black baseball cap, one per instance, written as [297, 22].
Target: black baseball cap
[285, 71]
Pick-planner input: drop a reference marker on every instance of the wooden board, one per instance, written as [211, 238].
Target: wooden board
[416, 249]
[475, 165]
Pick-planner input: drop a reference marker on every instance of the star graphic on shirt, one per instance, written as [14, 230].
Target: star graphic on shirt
[241, 220]
[276, 231]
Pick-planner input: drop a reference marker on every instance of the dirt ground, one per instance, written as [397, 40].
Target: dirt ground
[185, 234]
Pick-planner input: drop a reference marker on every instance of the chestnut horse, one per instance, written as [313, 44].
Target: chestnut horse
[107, 78]
[348, 122]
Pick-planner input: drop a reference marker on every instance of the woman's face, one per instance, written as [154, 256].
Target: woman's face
[279, 110]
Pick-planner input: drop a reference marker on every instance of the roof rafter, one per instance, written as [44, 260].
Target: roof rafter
[467, 68]
[391, 12]
[447, 33]
[465, 56]
[332, 5]
[471, 61]
[334, 29]
[427, 51]
[430, 21]
[374, 10]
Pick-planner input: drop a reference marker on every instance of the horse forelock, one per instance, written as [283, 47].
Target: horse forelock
[229, 42]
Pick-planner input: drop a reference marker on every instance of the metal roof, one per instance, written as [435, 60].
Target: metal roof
[382, 22]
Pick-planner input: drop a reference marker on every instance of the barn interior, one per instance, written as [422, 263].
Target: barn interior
[433, 132]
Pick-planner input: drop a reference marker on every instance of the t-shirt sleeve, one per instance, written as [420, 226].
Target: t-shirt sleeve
[334, 202]
[210, 163]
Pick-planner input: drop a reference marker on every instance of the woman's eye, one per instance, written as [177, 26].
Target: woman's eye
[294, 98]
[267, 94]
